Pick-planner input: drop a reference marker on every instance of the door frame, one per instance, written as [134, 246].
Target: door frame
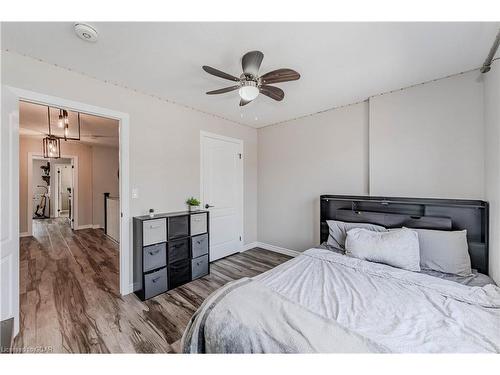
[203, 135]
[74, 202]
[126, 282]
[57, 191]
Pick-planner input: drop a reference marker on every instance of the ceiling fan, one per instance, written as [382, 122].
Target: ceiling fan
[250, 84]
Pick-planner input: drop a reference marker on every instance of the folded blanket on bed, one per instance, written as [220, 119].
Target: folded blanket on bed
[247, 317]
[325, 302]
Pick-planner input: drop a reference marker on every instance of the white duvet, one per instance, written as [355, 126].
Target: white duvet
[322, 301]
[400, 310]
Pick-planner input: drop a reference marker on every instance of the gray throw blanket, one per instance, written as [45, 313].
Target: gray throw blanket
[325, 302]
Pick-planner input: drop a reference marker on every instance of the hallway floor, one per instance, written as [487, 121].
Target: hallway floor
[70, 299]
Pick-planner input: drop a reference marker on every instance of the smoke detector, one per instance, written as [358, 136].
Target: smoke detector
[86, 32]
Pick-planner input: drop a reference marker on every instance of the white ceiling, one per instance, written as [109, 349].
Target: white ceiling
[94, 130]
[340, 63]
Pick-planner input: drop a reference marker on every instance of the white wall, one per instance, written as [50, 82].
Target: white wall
[105, 165]
[302, 159]
[427, 141]
[165, 137]
[492, 152]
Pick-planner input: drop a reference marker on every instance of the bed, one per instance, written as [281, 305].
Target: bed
[323, 301]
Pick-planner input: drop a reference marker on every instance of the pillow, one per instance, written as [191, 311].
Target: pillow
[338, 231]
[398, 248]
[444, 251]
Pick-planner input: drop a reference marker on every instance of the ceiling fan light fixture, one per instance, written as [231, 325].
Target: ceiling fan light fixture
[248, 91]
[250, 83]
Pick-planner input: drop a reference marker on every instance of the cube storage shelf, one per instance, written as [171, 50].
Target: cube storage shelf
[170, 250]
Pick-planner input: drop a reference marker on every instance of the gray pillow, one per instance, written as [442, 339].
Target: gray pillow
[444, 251]
[398, 248]
[338, 231]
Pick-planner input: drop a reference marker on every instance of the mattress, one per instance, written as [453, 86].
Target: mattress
[322, 301]
[476, 279]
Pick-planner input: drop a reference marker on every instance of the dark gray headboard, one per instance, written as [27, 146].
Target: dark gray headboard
[443, 214]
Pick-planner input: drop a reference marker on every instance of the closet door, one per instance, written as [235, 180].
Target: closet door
[222, 192]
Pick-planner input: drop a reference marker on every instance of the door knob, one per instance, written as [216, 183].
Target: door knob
[208, 206]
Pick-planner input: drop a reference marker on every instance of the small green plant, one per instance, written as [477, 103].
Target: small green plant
[193, 202]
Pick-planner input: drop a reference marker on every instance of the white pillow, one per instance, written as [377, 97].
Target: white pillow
[444, 251]
[397, 248]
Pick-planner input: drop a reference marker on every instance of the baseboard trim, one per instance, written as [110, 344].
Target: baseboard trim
[276, 249]
[249, 246]
[97, 226]
[86, 226]
[24, 234]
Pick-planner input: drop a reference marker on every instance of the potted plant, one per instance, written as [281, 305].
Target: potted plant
[193, 204]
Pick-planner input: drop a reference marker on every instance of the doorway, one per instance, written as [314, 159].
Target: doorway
[63, 188]
[222, 192]
[10, 213]
[45, 199]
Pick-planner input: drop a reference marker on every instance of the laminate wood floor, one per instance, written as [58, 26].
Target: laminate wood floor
[70, 301]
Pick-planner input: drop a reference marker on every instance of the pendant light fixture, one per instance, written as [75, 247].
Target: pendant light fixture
[51, 147]
[51, 144]
[66, 129]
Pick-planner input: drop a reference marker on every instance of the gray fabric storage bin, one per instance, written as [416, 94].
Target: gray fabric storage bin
[155, 256]
[199, 245]
[199, 267]
[155, 283]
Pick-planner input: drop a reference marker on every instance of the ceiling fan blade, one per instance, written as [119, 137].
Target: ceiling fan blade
[251, 62]
[244, 102]
[280, 75]
[222, 91]
[219, 73]
[273, 92]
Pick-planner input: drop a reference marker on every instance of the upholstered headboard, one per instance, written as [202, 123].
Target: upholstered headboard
[442, 214]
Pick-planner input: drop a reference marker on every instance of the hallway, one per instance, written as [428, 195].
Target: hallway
[64, 277]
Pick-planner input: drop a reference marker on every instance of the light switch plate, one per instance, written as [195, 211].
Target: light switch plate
[135, 193]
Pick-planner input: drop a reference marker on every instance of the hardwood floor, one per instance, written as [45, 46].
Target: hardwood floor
[70, 301]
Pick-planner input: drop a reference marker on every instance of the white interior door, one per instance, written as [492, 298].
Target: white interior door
[222, 192]
[9, 207]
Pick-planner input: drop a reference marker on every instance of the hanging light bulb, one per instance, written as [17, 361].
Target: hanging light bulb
[60, 121]
[66, 118]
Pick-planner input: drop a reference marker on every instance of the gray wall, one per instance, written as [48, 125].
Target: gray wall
[424, 141]
[492, 122]
[427, 141]
[301, 159]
